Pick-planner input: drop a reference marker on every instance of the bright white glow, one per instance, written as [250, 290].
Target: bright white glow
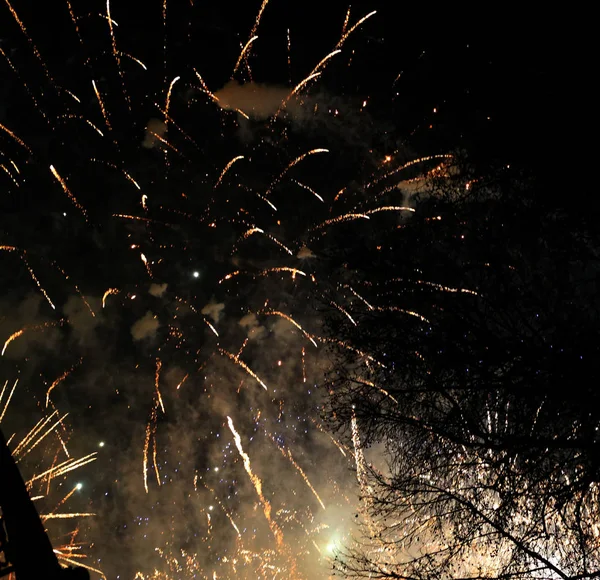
[79, 485]
[101, 444]
[196, 274]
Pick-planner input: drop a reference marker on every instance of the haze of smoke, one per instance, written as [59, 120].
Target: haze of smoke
[145, 327]
[157, 290]
[258, 101]
[154, 129]
[252, 326]
[213, 310]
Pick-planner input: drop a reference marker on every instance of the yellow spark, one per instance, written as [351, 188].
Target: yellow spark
[403, 311]
[145, 456]
[244, 366]
[447, 288]
[345, 35]
[156, 383]
[34, 444]
[293, 164]
[295, 91]
[33, 432]
[64, 467]
[102, 107]
[243, 54]
[66, 516]
[344, 312]
[324, 60]
[181, 382]
[346, 20]
[256, 230]
[390, 208]
[107, 294]
[145, 260]
[342, 218]
[309, 189]
[33, 46]
[374, 386]
[407, 165]
[165, 142]
[205, 88]
[68, 192]
[289, 56]
[137, 60]
[12, 337]
[83, 565]
[42, 326]
[10, 175]
[38, 284]
[256, 481]
[168, 101]
[264, 272]
[15, 137]
[227, 169]
[369, 306]
[211, 327]
[291, 321]
[58, 381]
[9, 397]
[288, 455]
[116, 53]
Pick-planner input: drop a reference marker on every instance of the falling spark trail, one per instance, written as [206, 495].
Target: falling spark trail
[227, 167]
[264, 272]
[256, 481]
[288, 455]
[16, 138]
[406, 166]
[156, 384]
[244, 366]
[9, 397]
[18, 333]
[290, 320]
[346, 34]
[12, 337]
[68, 192]
[102, 107]
[293, 164]
[42, 437]
[64, 467]
[243, 54]
[33, 432]
[57, 381]
[107, 294]
[37, 282]
[342, 218]
[116, 54]
[168, 101]
[303, 186]
[36, 52]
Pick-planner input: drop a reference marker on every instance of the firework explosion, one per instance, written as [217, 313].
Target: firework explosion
[48, 467]
[175, 230]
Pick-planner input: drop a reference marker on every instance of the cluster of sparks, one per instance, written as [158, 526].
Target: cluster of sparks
[43, 457]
